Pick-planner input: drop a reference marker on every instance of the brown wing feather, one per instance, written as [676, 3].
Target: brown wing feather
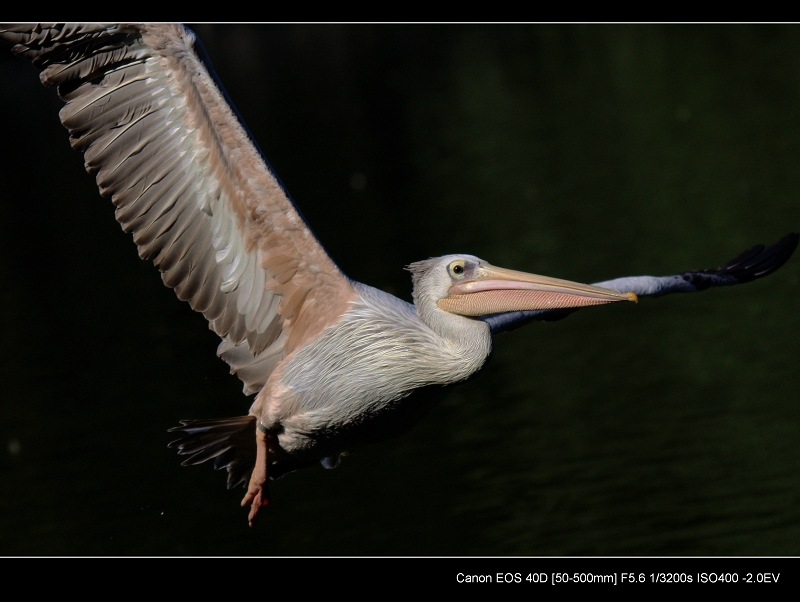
[189, 184]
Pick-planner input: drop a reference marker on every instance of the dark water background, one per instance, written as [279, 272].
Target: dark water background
[581, 152]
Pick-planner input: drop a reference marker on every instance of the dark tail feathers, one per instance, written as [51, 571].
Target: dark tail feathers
[230, 442]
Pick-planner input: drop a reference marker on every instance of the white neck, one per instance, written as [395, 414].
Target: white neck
[468, 334]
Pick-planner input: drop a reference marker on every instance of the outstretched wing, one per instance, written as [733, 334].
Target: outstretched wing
[755, 262]
[190, 184]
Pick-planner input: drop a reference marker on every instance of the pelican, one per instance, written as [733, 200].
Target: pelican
[334, 364]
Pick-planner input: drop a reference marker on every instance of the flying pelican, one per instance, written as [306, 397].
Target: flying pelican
[334, 363]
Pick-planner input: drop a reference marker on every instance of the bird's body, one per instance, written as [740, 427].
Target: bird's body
[334, 363]
[391, 354]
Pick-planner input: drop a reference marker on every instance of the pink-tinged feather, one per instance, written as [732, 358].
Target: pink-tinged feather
[187, 182]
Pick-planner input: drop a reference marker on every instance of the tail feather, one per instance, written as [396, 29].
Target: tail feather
[230, 442]
[205, 454]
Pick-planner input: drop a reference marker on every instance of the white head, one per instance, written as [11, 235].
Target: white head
[453, 290]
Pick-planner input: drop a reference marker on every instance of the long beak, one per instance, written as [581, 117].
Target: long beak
[496, 290]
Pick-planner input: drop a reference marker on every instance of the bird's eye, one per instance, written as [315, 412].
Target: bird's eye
[457, 268]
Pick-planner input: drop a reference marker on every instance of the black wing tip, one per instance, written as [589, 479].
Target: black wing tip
[755, 262]
[759, 261]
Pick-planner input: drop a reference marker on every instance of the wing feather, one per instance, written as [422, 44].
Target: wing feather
[190, 185]
[755, 262]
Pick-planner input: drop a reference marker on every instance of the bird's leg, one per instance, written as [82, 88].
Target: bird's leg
[257, 491]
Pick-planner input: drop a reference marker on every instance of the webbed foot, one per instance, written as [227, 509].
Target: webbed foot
[257, 494]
